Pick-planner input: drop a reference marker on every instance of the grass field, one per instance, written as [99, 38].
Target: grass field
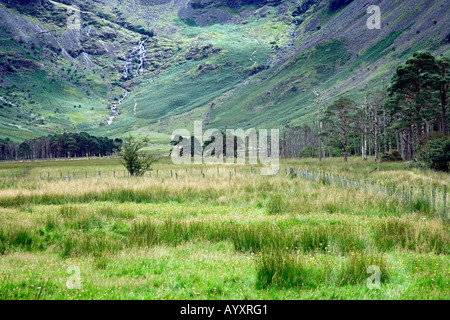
[231, 234]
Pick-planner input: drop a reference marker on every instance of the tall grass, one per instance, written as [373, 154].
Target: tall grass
[75, 230]
[287, 234]
[283, 269]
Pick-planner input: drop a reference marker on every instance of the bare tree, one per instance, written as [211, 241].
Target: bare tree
[318, 99]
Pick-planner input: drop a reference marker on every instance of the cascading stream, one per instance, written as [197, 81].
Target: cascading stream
[138, 52]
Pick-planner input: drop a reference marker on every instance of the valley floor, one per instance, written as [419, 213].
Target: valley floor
[230, 234]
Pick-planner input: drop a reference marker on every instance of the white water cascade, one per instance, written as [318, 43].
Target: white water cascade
[139, 53]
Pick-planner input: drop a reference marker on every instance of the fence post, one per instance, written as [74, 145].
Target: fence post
[410, 193]
[433, 196]
[444, 196]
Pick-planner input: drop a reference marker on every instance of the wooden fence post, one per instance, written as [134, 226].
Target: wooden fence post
[444, 200]
[433, 196]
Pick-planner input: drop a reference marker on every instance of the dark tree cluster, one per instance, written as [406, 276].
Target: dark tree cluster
[29, 6]
[335, 5]
[67, 145]
[410, 115]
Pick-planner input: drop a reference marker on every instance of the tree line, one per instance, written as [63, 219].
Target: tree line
[66, 145]
[409, 115]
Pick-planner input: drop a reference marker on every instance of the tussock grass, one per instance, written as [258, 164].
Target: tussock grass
[249, 237]
[400, 234]
[283, 269]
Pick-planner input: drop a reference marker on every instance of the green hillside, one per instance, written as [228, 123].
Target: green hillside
[226, 63]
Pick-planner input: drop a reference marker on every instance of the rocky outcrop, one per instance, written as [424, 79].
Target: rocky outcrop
[15, 63]
[204, 12]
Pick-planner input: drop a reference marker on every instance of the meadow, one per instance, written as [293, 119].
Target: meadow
[207, 232]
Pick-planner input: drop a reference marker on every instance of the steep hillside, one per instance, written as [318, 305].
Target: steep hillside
[161, 64]
[337, 52]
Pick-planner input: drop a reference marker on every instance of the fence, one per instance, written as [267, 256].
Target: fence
[431, 197]
[210, 172]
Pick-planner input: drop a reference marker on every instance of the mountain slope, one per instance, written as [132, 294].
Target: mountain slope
[161, 64]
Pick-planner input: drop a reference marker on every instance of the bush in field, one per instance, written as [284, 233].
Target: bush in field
[134, 159]
[436, 153]
[394, 155]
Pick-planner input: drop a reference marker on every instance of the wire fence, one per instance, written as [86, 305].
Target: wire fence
[431, 198]
[211, 172]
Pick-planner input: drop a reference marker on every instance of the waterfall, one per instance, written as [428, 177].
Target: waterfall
[115, 108]
[139, 52]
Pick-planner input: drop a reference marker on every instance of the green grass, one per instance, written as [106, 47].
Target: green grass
[165, 238]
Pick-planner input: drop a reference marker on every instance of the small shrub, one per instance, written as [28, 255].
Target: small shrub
[436, 153]
[394, 155]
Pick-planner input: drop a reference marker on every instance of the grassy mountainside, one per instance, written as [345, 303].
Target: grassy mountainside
[227, 63]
